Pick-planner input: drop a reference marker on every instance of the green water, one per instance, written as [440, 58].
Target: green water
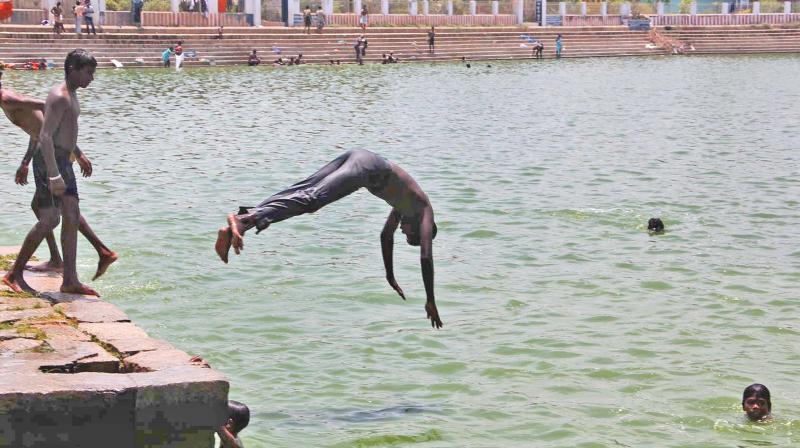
[566, 324]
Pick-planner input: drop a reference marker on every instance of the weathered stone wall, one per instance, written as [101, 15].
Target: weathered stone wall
[75, 372]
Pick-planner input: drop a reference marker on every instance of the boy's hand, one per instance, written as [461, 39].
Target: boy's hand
[21, 178]
[395, 286]
[85, 164]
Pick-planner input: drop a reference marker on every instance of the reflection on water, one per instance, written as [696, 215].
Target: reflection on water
[567, 324]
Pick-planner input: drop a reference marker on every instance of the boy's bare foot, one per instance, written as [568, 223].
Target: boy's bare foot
[49, 266]
[105, 261]
[237, 233]
[17, 284]
[79, 288]
[223, 244]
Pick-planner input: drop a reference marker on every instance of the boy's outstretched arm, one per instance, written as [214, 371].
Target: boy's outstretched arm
[426, 264]
[387, 249]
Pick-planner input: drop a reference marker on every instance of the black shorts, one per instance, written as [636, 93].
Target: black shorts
[43, 198]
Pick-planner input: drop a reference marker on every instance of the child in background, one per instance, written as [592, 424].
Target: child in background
[756, 403]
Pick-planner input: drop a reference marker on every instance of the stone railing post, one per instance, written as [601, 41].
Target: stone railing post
[384, 7]
[604, 9]
[412, 7]
[660, 8]
[256, 13]
[787, 7]
[724, 8]
[253, 7]
[626, 8]
[519, 9]
[426, 7]
[174, 5]
[357, 7]
[693, 8]
[756, 8]
[562, 8]
[327, 7]
[294, 8]
[473, 7]
[495, 7]
[449, 7]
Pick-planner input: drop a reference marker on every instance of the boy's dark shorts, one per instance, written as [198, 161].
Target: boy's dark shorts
[43, 198]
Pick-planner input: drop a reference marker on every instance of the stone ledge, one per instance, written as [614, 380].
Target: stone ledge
[74, 371]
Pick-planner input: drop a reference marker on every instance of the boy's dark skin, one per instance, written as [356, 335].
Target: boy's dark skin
[407, 200]
[59, 130]
[27, 114]
[226, 435]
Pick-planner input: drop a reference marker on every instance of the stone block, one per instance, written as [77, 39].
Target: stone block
[14, 334]
[62, 331]
[15, 303]
[43, 281]
[179, 399]
[79, 356]
[92, 311]
[18, 345]
[124, 337]
[14, 316]
[67, 417]
[157, 360]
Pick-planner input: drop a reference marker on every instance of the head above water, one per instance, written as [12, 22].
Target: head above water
[655, 225]
[756, 402]
[238, 416]
[410, 228]
[79, 67]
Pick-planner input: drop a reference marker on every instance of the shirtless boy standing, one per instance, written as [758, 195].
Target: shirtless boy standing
[56, 187]
[26, 113]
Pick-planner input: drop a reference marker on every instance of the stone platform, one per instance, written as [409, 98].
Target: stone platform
[76, 372]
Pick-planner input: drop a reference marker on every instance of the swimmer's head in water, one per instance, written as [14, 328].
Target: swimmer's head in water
[410, 228]
[238, 416]
[756, 402]
[655, 225]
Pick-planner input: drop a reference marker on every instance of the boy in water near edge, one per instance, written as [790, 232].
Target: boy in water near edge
[238, 419]
[26, 113]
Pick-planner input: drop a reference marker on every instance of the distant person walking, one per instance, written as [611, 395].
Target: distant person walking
[179, 55]
[357, 48]
[77, 11]
[137, 11]
[321, 18]
[58, 18]
[307, 19]
[559, 45]
[88, 17]
[363, 20]
[431, 39]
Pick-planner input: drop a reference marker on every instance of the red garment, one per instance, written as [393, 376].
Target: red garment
[6, 9]
[178, 50]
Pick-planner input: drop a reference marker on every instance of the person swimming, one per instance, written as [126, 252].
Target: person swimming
[756, 402]
[238, 419]
[655, 225]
